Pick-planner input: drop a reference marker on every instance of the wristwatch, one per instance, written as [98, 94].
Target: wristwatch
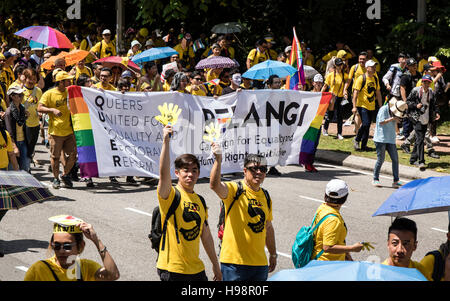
[274, 255]
[102, 252]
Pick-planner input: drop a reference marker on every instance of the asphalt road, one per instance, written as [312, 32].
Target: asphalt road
[121, 215]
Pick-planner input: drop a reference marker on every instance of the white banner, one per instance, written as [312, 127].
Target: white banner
[128, 138]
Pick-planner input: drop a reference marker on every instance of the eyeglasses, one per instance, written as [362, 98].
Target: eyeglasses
[197, 78]
[254, 169]
[66, 246]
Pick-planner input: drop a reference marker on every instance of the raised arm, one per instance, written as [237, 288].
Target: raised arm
[165, 181]
[214, 178]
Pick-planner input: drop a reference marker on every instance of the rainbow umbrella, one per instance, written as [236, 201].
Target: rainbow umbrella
[45, 35]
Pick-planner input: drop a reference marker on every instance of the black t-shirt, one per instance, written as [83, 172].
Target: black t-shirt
[228, 90]
[409, 81]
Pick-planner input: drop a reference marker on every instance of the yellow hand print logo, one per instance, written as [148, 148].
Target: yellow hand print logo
[213, 132]
[169, 114]
[367, 245]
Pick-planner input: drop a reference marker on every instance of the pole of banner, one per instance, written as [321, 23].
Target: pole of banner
[119, 25]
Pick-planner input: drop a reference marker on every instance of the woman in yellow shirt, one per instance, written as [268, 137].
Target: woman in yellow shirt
[335, 81]
[67, 243]
[196, 87]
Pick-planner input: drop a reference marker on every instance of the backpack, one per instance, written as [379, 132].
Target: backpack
[303, 246]
[240, 190]
[438, 269]
[159, 229]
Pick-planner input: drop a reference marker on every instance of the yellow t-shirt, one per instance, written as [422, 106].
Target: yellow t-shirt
[367, 94]
[84, 45]
[109, 87]
[185, 54]
[414, 265]
[183, 257]
[428, 265]
[199, 92]
[57, 126]
[5, 148]
[20, 135]
[31, 98]
[244, 237]
[7, 77]
[255, 56]
[166, 86]
[39, 271]
[107, 49]
[353, 75]
[420, 65]
[331, 232]
[336, 83]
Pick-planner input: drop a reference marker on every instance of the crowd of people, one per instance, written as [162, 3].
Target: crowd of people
[34, 98]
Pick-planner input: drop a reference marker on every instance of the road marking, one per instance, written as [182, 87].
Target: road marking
[440, 230]
[22, 268]
[281, 254]
[315, 200]
[138, 211]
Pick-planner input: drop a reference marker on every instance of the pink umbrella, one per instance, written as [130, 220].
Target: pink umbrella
[46, 36]
[216, 62]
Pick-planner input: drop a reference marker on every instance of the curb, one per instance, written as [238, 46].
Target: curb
[341, 159]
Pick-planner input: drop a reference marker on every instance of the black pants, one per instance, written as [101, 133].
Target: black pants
[330, 114]
[418, 152]
[364, 131]
[2, 213]
[168, 276]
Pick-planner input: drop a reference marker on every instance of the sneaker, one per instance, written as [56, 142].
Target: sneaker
[433, 155]
[400, 137]
[340, 137]
[422, 166]
[310, 168]
[405, 148]
[397, 184]
[131, 180]
[376, 183]
[56, 184]
[113, 180]
[356, 145]
[325, 132]
[67, 181]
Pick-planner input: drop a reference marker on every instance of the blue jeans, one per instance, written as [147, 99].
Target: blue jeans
[364, 131]
[237, 272]
[23, 160]
[381, 151]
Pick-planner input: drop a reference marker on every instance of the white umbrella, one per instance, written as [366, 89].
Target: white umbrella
[229, 27]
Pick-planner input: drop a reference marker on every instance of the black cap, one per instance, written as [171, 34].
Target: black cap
[338, 61]
[401, 54]
[411, 61]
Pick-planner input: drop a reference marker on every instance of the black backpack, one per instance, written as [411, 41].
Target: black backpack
[239, 192]
[159, 229]
[438, 269]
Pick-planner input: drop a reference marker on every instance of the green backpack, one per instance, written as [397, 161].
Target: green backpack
[303, 246]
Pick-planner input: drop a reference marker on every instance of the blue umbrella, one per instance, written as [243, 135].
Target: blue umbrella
[348, 271]
[152, 54]
[267, 68]
[417, 197]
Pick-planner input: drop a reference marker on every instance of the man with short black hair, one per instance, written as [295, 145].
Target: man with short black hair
[178, 258]
[248, 221]
[402, 242]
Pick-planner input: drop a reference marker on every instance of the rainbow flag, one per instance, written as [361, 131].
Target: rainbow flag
[87, 158]
[311, 138]
[296, 61]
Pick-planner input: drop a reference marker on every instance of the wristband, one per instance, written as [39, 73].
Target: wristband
[274, 255]
[102, 252]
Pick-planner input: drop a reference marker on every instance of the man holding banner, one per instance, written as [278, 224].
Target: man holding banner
[248, 227]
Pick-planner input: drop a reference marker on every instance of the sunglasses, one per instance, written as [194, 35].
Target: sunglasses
[197, 78]
[66, 246]
[254, 169]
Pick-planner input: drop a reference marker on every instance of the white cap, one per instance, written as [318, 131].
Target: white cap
[318, 78]
[336, 189]
[287, 49]
[15, 90]
[106, 31]
[134, 43]
[370, 63]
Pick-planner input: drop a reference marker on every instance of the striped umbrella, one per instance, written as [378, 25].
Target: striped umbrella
[46, 36]
[19, 189]
[215, 62]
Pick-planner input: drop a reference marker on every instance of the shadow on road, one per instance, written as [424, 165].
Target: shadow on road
[22, 245]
